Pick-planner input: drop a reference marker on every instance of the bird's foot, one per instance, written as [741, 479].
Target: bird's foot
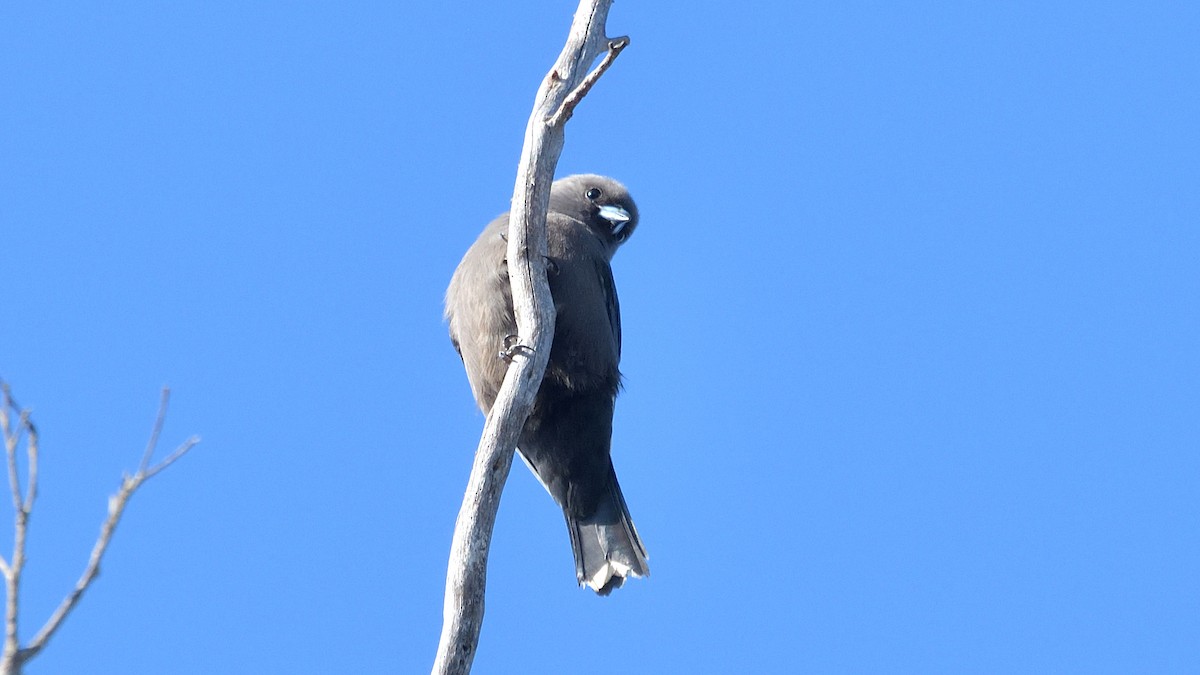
[512, 347]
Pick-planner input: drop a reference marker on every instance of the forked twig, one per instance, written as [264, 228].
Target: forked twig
[564, 112]
[15, 656]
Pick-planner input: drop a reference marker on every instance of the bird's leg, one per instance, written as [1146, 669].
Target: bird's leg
[512, 347]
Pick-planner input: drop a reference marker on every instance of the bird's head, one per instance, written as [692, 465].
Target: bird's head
[599, 202]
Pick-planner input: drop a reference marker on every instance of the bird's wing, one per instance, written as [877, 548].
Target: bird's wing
[611, 303]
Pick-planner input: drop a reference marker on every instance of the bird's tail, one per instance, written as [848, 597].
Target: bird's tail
[606, 545]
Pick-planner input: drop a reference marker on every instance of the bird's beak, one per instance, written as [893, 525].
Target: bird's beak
[616, 215]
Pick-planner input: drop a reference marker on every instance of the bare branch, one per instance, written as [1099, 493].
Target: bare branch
[31, 448]
[159, 420]
[21, 508]
[15, 656]
[171, 458]
[567, 108]
[561, 90]
[116, 506]
[12, 437]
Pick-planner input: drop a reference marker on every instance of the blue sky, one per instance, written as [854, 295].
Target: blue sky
[911, 330]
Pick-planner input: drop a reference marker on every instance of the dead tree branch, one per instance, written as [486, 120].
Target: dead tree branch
[560, 92]
[15, 656]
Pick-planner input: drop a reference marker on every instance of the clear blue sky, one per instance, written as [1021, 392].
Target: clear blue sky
[912, 343]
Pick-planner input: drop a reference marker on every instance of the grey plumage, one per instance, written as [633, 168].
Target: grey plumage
[566, 440]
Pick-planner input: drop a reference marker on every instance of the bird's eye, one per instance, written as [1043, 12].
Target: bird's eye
[594, 194]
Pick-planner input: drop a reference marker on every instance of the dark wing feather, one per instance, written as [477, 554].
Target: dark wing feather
[611, 303]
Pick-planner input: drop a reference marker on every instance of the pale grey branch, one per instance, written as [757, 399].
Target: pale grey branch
[466, 576]
[567, 108]
[14, 656]
[156, 430]
[12, 438]
[172, 458]
[21, 509]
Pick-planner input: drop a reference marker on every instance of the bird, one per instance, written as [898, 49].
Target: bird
[566, 440]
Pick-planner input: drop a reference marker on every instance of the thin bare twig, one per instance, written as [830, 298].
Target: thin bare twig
[21, 509]
[156, 431]
[567, 108]
[10, 450]
[116, 507]
[31, 447]
[11, 439]
[15, 656]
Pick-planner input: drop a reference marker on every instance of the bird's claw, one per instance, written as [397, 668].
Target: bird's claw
[512, 347]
